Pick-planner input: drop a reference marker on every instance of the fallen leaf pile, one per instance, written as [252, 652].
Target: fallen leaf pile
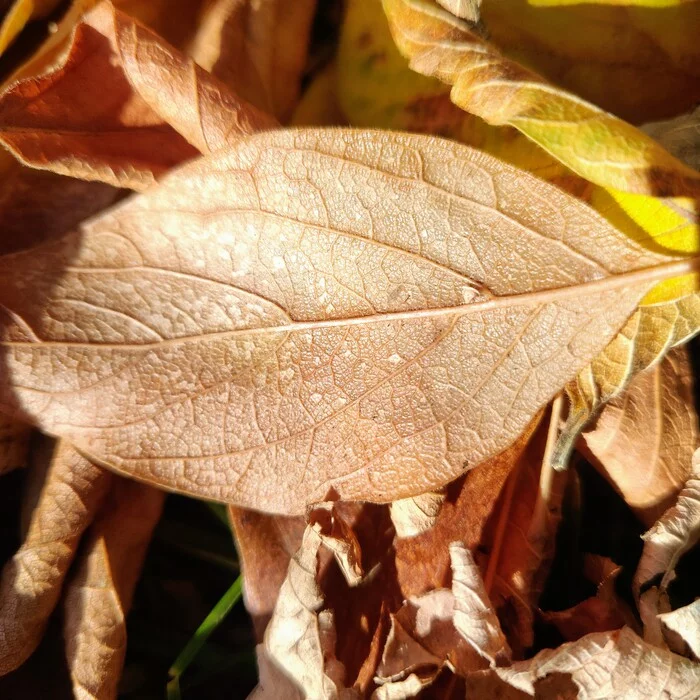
[434, 361]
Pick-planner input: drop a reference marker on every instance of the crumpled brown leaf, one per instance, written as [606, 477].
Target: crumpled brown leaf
[99, 594]
[682, 628]
[225, 286]
[610, 665]
[70, 495]
[644, 439]
[416, 515]
[156, 107]
[673, 534]
[257, 48]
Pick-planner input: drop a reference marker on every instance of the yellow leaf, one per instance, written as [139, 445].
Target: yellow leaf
[593, 143]
[640, 63]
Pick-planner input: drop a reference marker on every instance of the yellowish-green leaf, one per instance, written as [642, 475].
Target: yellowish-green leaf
[593, 143]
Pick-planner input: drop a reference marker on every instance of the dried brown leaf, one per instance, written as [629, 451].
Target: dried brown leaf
[258, 48]
[71, 494]
[423, 562]
[121, 107]
[99, 594]
[379, 380]
[673, 535]
[293, 639]
[680, 136]
[469, 10]
[265, 545]
[474, 617]
[610, 665]
[644, 439]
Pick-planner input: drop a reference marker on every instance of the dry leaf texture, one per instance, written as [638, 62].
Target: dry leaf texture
[606, 150]
[416, 515]
[31, 581]
[674, 534]
[680, 136]
[645, 438]
[14, 443]
[685, 623]
[122, 107]
[258, 49]
[99, 595]
[610, 665]
[293, 315]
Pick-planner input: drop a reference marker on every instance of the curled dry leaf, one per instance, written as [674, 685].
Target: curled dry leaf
[469, 10]
[643, 342]
[501, 91]
[121, 107]
[644, 439]
[416, 515]
[680, 136]
[610, 665]
[474, 617]
[293, 640]
[682, 627]
[673, 535]
[99, 594]
[258, 49]
[265, 545]
[31, 582]
[357, 332]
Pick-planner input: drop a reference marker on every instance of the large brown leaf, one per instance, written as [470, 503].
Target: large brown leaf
[312, 310]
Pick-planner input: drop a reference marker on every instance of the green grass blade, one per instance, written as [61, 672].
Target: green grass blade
[204, 631]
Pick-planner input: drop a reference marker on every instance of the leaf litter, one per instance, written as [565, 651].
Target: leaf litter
[397, 359]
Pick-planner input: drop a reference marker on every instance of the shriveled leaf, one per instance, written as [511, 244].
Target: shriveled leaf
[99, 594]
[475, 618]
[408, 687]
[121, 107]
[14, 443]
[680, 136]
[605, 150]
[293, 640]
[684, 626]
[644, 340]
[31, 582]
[377, 377]
[641, 3]
[416, 515]
[265, 545]
[645, 438]
[673, 535]
[257, 48]
[610, 665]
